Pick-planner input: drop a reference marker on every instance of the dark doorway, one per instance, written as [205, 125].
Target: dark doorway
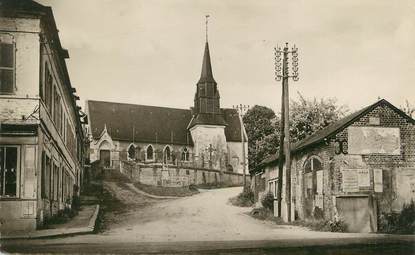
[105, 157]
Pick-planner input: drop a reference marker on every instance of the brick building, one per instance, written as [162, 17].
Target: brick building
[40, 124]
[357, 169]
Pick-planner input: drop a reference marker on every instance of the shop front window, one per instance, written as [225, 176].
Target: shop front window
[8, 171]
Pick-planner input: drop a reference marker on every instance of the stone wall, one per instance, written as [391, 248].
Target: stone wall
[156, 173]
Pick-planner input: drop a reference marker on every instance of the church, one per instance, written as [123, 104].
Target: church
[205, 136]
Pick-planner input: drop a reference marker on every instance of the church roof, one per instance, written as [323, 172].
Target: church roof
[208, 119]
[207, 74]
[150, 124]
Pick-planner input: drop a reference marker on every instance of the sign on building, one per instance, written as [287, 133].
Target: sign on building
[319, 201]
[374, 140]
[319, 181]
[349, 180]
[363, 177]
[378, 180]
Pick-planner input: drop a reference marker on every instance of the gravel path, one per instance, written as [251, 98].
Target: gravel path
[202, 217]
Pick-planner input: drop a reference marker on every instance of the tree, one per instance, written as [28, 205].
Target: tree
[310, 115]
[306, 117]
[408, 109]
[262, 128]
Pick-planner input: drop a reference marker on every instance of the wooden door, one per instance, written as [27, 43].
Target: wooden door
[105, 157]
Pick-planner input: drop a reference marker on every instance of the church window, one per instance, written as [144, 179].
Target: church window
[202, 90]
[131, 152]
[210, 90]
[150, 153]
[185, 154]
[167, 154]
[210, 105]
[203, 105]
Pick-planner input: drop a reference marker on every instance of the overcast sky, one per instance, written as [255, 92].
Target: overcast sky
[150, 52]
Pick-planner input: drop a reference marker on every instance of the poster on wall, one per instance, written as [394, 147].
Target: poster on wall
[349, 180]
[319, 182]
[378, 180]
[374, 140]
[363, 178]
[319, 201]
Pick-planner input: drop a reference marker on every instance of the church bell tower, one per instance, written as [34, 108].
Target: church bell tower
[207, 126]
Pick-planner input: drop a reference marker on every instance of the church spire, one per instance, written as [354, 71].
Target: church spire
[206, 74]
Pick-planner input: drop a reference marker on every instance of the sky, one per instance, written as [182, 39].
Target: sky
[150, 52]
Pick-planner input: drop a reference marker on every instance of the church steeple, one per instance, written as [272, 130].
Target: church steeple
[206, 74]
[206, 103]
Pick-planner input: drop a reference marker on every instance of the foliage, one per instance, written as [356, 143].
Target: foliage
[318, 213]
[264, 214]
[399, 223]
[267, 201]
[408, 109]
[243, 199]
[310, 115]
[306, 117]
[261, 126]
[335, 225]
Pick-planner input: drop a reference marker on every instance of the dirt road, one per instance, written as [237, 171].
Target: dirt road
[203, 217]
[203, 222]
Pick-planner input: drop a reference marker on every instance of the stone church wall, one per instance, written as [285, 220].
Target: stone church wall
[155, 173]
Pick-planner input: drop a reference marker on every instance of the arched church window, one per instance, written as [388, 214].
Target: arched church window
[167, 154]
[131, 152]
[185, 154]
[202, 89]
[150, 152]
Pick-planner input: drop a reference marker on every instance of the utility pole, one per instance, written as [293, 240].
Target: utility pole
[242, 109]
[285, 148]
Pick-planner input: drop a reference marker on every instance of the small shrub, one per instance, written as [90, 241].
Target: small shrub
[399, 223]
[406, 219]
[318, 213]
[262, 214]
[336, 225]
[243, 199]
[267, 201]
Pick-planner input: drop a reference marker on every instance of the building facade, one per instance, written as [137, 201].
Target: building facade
[205, 136]
[356, 169]
[40, 127]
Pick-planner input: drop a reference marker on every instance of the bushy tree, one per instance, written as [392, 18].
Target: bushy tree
[306, 117]
[310, 115]
[262, 128]
[408, 109]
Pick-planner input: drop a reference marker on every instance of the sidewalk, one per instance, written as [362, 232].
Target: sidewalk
[82, 223]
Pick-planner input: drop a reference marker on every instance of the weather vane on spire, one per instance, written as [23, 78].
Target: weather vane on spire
[207, 22]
